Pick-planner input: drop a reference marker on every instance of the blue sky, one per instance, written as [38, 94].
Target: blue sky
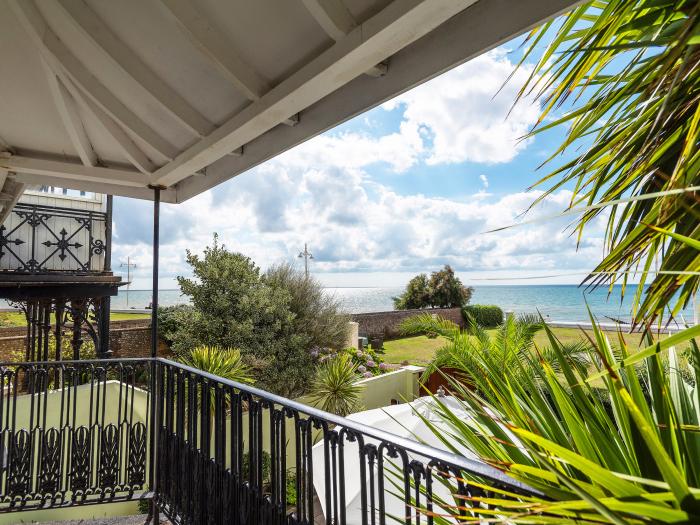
[402, 189]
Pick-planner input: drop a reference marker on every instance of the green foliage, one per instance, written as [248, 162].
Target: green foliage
[511, 347]
[171, 318]
[222, 362]
[630, 72]
[442, 290]
[485, 315]
[334, 389]
[273, 319]
[317, 315]
[416, 295]
[266, 468]
[619, 445]
[291, 482]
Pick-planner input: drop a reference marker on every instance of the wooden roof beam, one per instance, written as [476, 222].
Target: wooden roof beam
[399, 24]
[102, 37]
[215, 47]
[58, 55]
[337, 21]
[68, 111]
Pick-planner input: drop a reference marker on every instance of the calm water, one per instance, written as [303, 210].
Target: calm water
[557, 302]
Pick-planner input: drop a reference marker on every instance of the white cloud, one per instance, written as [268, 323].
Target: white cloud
[321, 193]
[466, 114]
[353, 224]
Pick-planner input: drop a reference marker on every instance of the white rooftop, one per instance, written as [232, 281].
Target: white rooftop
[119, 96]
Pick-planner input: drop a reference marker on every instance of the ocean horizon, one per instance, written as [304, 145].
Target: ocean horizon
[556, 302]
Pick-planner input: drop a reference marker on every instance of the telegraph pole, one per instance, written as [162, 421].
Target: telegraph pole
[129, 265]
[306, 254]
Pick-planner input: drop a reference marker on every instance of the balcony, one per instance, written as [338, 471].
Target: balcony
[47, 233]
[81, 433]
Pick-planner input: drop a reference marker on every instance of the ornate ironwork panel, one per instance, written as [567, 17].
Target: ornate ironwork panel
[223, 453]
[72, 432]
[37, 238]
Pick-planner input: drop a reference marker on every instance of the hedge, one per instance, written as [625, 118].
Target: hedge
[486, 315]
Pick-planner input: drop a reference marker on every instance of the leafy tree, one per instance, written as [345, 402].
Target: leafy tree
[270, 318]
[447, 290]
[630, 72]
[317, 315]
[442, 290]
[417, 294]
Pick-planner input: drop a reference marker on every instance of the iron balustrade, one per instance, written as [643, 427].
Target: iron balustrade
[38, 238]
[217, 441]
[79, 432]
[71, 432]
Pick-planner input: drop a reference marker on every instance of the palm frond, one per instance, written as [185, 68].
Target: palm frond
[627, 74]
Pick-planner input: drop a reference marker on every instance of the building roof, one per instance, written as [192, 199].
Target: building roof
[117, 97]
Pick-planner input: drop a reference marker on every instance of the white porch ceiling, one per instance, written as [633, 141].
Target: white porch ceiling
[119, 96]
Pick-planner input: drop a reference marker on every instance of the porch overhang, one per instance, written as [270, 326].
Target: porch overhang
[121, 97]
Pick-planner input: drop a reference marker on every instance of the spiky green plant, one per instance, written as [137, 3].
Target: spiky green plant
[464, 350]
[334, 388]
[222, 362]
[619, 445]
[628, 74]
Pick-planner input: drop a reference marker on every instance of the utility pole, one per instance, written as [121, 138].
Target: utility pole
[306, 254]
[129, 265]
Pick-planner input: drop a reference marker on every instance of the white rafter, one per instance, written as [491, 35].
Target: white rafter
[56, 52]
[399, 24]
[68, 111]
[337, 21]
[215, 47]
[333, 16]
[71, 171]
[487, 24]
[130, 150]
[103, 38]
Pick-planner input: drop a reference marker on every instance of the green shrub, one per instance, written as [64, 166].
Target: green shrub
[443, 289]
[334, 389]
[485, 315]
[275, 318]
[171, 318]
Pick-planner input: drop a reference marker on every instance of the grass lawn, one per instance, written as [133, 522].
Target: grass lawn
[419, 350]
[17, 318]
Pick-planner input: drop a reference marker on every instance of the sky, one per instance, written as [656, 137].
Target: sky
[404, 188]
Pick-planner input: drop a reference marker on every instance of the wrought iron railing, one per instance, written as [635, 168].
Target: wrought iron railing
[37, 238]
[78, 433]
[72, 432]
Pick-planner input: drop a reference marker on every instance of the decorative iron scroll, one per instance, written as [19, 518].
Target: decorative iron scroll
[72, 433]
[224, 453]
[71, 235]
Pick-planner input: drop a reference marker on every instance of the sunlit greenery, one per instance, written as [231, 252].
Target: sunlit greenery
[627, 75]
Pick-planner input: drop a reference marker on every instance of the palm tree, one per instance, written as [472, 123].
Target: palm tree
[619, 445]
[222, 362]
[334, 389]
[628, 72]
[511, 348]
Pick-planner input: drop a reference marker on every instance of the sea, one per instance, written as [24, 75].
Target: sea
[566, 303]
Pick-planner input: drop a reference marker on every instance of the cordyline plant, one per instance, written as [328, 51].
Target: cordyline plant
[334, 388]
[618, 445]
[628, 72]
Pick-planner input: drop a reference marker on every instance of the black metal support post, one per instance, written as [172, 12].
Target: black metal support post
[154, 515]
[154, 300]
[106, 303]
